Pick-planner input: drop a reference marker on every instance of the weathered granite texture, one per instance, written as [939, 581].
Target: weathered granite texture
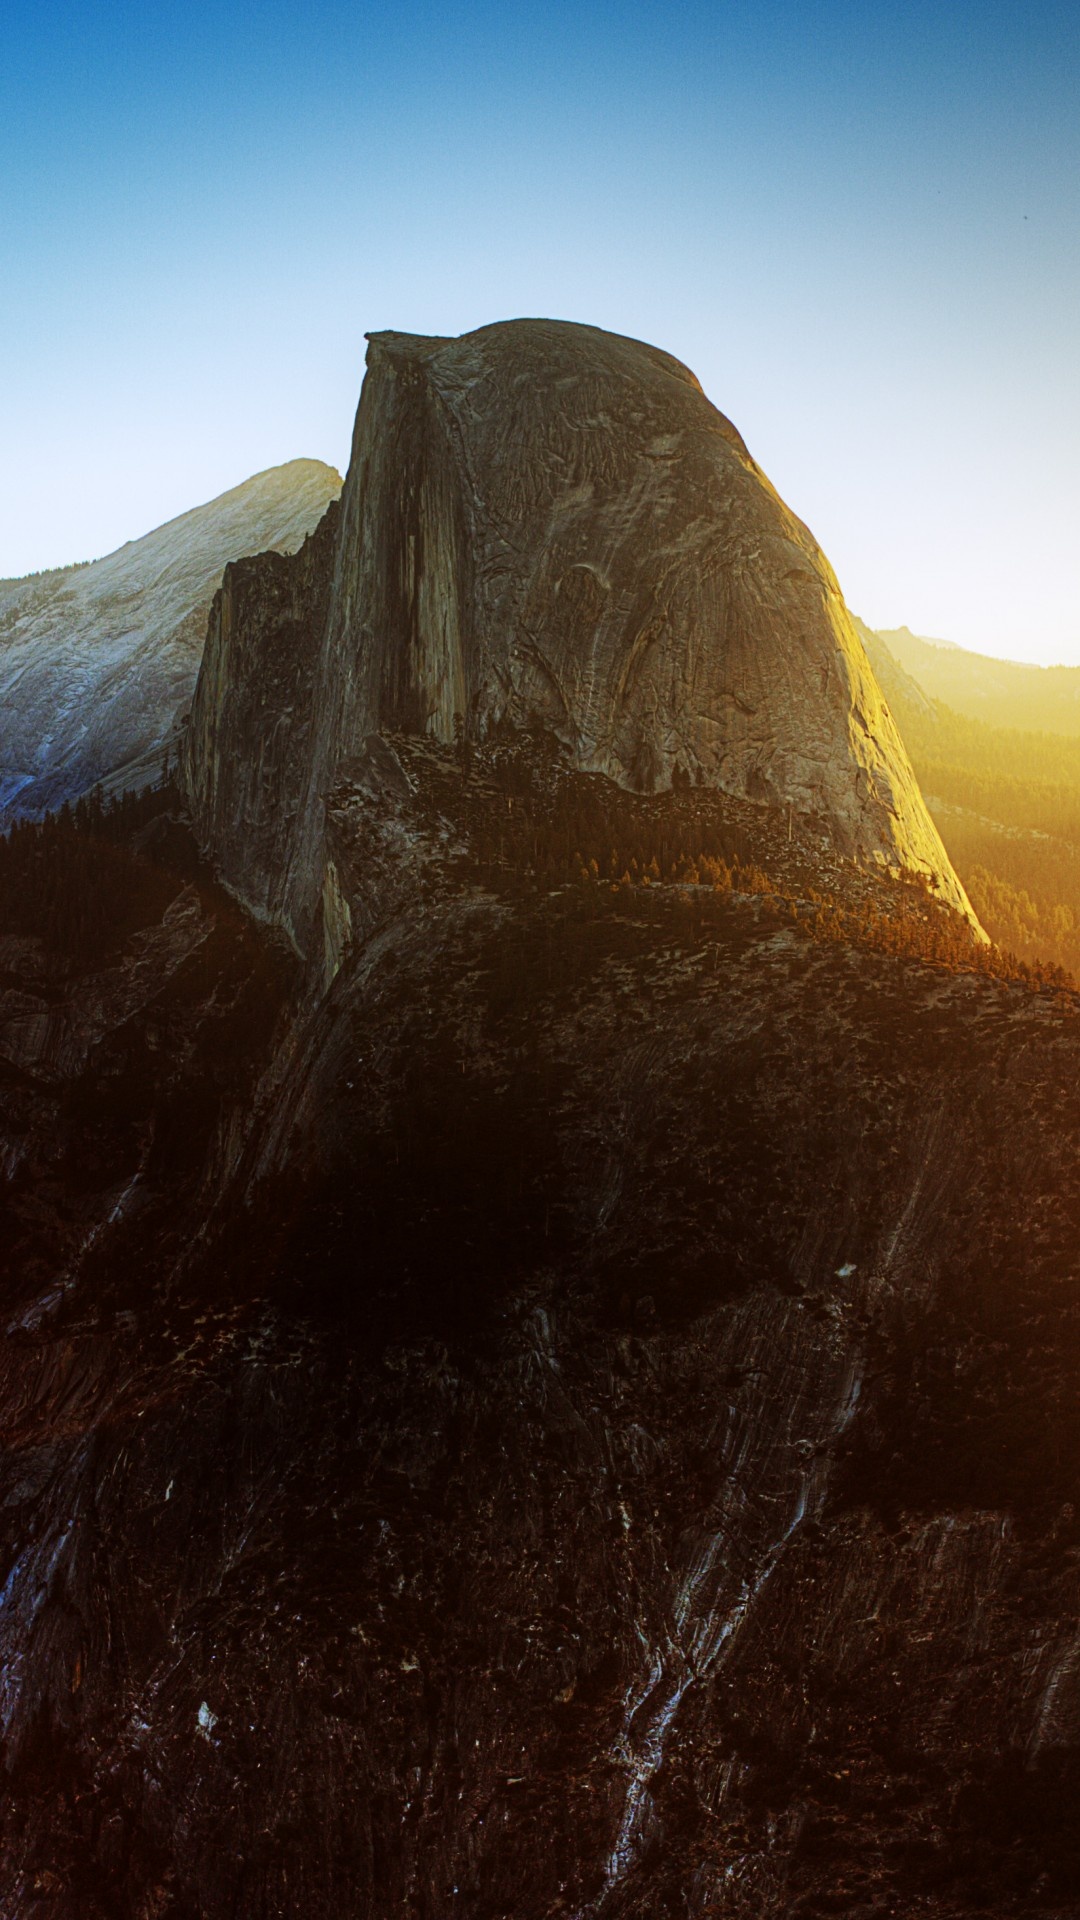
[246, 750]
[546, 523]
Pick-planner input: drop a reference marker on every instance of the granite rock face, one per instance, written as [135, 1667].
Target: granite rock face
[248, 742]
[98, 662]
[547, 524]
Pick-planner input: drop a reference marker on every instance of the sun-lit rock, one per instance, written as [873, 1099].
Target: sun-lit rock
[547, 524]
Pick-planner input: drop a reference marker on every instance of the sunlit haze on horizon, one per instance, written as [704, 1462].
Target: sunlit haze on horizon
[857, 224]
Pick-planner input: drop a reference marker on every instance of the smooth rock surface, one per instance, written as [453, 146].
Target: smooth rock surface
[547, 524]
[98, 662]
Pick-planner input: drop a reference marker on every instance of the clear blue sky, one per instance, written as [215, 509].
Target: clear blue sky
[859, 224]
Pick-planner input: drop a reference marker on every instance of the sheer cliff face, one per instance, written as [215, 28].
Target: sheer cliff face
[247, 746]
[544, 523]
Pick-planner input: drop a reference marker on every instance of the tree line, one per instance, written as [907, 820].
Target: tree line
[74, 881]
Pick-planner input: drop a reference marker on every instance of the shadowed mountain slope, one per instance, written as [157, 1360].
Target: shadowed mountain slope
[579, 1421]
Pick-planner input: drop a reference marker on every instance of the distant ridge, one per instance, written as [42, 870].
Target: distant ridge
[1004, 693]
[1006, 801]
[98, 659]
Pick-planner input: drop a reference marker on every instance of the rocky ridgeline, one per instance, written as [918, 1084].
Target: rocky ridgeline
[98, 662]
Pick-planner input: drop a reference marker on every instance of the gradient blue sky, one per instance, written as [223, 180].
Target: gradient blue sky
[859, 225]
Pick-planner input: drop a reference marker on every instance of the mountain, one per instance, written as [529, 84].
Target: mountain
[543, 524]
[98, 662]
[1001, 693]
[548, 1386]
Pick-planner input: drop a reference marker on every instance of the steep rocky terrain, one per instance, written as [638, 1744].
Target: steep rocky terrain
[542, 1312]
[546, 524]
[582, 1421]
[97, 663]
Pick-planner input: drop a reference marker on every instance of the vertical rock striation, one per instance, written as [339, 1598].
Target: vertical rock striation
[246, 748]
[547, 524]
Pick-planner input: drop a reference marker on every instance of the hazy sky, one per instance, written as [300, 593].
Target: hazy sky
[859, 225]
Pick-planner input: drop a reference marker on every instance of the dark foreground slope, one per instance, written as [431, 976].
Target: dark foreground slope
[584, 1421]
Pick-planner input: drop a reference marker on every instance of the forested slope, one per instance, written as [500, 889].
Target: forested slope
[1007, 805]
[1000, 693]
